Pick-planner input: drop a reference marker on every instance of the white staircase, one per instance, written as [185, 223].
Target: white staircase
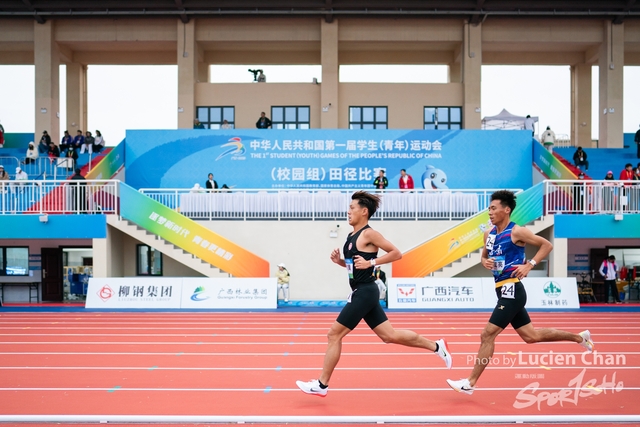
[166, 248]
[472, 259]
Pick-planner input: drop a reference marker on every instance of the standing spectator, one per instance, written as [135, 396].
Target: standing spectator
[548, 139]
[529, 124]
[263, 122]
[637, 140]
[66, 141]
[261, 77]
[608, 191]
[405, 182]
[197, 124]
[78, 192]
[580, 158]
[578, 194]
[32, 154]
[211, 184]
[629, 190]
[98, 143]
[2, 138]
[381, 281]
[72, 156]
[609, 271]
[78, 141]
[88, 143]
[20, 176]
[627, 173]
[45, 140]
[225, 124]
[381, 181]
[283, 281]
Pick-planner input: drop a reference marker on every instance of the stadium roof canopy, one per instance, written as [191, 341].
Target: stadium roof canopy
[475, 10]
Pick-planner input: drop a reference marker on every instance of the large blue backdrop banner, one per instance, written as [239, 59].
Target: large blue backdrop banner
[243, 158]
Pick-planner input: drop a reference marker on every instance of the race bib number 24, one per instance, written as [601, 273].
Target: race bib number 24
[509, 290]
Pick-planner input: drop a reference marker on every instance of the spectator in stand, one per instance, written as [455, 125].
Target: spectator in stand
[66, 141]
[32, 154]
[54, 151]
[263, 122]
[225, 124]
[529, 124]
[2, 137]
[580, 159]
[609, 271]
[405, 182]
[4, 175]
[99, 142]
[211, 184]
[638, 171]
[627, 173]
[578, 194]
[20, 176]
[637, 140]
[43, 147]
[78, 141]
[608, 192]
[88, 143]
[72, 154]
[261, 77]
[609, 176]
[197, 124]
[381, 181]
[629, 190]
[78, 193]
[548, 139]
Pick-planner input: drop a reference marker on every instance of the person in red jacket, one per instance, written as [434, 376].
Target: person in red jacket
[627, 173]
[405, 182]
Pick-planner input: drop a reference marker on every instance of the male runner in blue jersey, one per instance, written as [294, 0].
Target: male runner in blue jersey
[503, 254]
[360, 259]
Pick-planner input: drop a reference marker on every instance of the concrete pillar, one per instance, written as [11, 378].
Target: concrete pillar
[47, 84]
[187, 71]
[611, 64]
[581, 105]
[454, 74]
[76, 98]
[330, 74]
[204, 76]
[471, 71]
[558, 262]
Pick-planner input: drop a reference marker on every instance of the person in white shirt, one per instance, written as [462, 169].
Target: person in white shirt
[609, 271]
[98, 142]
[548, 139]
[32, 154]
[529, 124]
[225, 125]
[20, 176]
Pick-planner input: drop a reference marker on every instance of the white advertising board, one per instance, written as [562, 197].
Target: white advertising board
[229, 293]
[134, 292]
[478, 293]
[177, 293]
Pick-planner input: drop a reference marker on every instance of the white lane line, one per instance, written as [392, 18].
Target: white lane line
[281, 343]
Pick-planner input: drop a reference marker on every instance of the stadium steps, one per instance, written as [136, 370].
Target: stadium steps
[576, 171]
[473, 258]
[166, 248]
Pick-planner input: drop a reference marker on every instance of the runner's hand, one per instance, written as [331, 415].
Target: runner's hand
[522, 270]
[488, 263]
[335, 256]
[361, 263]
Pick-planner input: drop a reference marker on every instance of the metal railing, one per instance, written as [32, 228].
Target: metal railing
[42, 167]
[58, 197]
[318, 204]
[592, 197]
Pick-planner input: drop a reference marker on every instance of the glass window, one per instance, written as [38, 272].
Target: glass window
[14, 261]
[290, 117]
[149, 261]
[368, 117]
[212, 117]
[443, 117]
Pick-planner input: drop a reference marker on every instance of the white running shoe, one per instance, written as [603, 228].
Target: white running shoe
[461, 386]
[586, 341]
[444, 353]
[312, 387]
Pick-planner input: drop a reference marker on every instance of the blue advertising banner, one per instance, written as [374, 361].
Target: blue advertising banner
[243, 158]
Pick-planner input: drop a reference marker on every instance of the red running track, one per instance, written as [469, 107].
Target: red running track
[246, 365]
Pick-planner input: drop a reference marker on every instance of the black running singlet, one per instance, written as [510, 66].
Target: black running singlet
[350, 250]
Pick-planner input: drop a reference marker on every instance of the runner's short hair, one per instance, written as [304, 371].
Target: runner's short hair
[367, 200]
[506, 198]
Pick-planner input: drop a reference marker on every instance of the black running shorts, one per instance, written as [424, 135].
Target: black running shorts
[365, 304]
[511, 310]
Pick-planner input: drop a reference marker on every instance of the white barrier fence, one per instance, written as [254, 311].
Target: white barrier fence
[58, 197]
[182, 293]
[319, 204]
[557, 293]
[590, 197]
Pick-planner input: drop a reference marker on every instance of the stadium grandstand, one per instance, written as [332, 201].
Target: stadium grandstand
[135, 248]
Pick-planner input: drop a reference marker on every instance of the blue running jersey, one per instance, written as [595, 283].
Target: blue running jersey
[507, 255]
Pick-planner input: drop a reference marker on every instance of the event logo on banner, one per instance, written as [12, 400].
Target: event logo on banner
[552, 292]
[189, 235]
[118, 292]
[229, 293]
[313, 158]
[464, 238]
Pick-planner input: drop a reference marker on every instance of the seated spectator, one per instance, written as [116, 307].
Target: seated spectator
[197, 124]
[88, 143]
[98, 143]
[32, 154]
[609, 176]
[66, 141]
[225, 124]
[196, 189]
[4, 175]
[54, 151]
[580, 159]
[43, 147]
[20, 176]
[78, 141]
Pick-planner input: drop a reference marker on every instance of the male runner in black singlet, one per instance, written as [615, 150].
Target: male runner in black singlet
[360, 259]
[504, 255]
